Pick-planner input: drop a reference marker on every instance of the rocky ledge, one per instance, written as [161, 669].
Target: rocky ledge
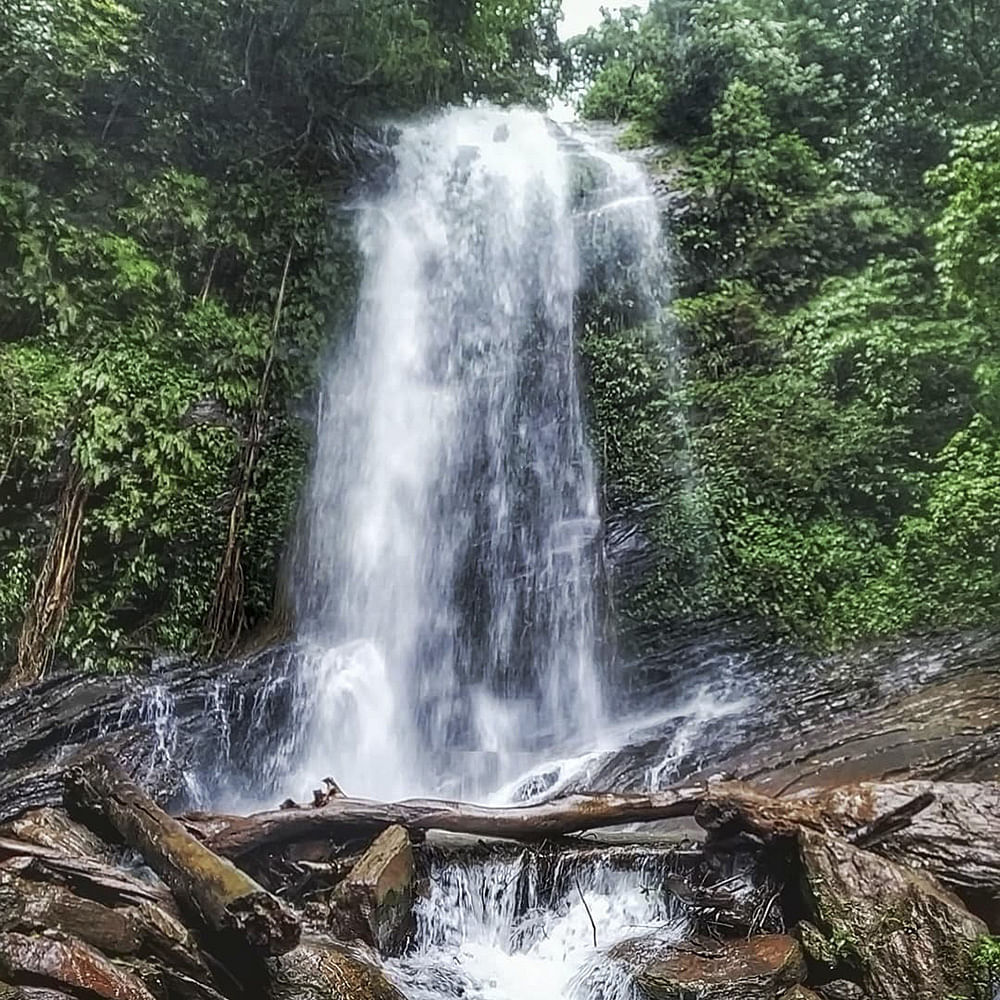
[849, 854]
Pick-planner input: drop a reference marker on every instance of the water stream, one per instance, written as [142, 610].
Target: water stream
[451, 596]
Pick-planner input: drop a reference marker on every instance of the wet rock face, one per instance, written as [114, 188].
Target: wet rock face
[909, 937]
[924, 707]
[221, 722]
[758, 968]
[841, 989]
[321, 970]
[66, 962]
[375, 902]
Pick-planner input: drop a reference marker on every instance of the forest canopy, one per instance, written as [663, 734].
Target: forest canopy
[174, 261]
[836, 169]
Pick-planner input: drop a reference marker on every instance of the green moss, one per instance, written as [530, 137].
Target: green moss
[985, 963]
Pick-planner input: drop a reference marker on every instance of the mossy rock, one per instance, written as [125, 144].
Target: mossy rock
[909, 938]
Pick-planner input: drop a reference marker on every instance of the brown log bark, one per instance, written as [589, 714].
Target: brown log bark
[347, 818]
[908, 817]
[214, 890]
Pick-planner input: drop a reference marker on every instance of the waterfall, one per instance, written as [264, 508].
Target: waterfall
[449, 597]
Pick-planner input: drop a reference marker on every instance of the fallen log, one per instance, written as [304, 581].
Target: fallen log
[214, 890]
[720, 807]
[348, 818]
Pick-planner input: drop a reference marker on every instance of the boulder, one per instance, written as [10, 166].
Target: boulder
[799, 993]
[61, 962]
[908, 937]
[755, 968]
[374, 903]
[319, 969]
[954, 837]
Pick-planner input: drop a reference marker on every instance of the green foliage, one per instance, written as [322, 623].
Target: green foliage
[837, 310]
[985, 962]
[159, 162]
[968, 229]
[641, 440]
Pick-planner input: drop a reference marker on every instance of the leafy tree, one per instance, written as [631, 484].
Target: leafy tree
[968, 229]
[171, 263]
[836, 306]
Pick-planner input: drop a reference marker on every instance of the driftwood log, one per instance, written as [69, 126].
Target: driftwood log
[345, 818]
[940, 827]
[722, 808]
[212, 888]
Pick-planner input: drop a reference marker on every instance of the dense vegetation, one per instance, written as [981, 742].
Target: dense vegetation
[837, 255]
[171, 263]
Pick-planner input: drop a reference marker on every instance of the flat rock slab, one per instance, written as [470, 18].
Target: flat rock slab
[948, 730]
[955, 838]
[758, 968]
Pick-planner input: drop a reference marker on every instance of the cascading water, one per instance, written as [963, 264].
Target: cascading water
[450, 594]
[449, 599]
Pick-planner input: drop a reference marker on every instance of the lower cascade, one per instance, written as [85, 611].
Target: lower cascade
[450, 595]
[490, 932]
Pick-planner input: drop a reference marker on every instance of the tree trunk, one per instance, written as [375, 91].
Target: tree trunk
[221, 896]
[54, 584]
[226, 618]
